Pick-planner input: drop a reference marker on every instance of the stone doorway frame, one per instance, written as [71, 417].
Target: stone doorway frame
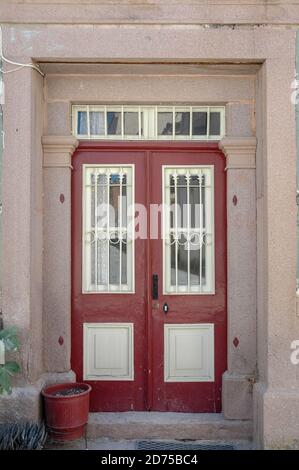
[277, 324]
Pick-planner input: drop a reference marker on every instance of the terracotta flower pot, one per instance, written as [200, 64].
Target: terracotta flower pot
[66, 409]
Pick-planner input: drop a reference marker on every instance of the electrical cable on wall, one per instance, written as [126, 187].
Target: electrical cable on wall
[20, 66]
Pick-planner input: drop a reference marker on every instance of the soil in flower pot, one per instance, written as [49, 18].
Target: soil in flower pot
[69, 391]
[66, 409]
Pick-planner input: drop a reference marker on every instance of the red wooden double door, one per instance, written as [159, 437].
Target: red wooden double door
[149, 275]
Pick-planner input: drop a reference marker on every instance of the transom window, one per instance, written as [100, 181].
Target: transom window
[148, 122]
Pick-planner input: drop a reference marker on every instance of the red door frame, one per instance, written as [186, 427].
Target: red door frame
[148, 147]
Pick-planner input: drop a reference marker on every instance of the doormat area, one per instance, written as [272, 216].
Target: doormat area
[164, 445]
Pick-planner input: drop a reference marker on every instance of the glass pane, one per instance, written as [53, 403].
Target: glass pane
[214, 123]
[102, 198]
[131, 123]
[114, 205]
[124, 262]
[165, 124]
[141, 123]
[203, 200]
[203, 263]
[102, 250]
[92, 260]
[82, 123]
[194, 263]
[172, 260]
[124, 201]
[182, 201]
[182, 261]
[199, 123]
[113, 123]
[114, 194]
[92, 205]
[114, 260]
[182, 180]
[172, 206]
[97, 123]
[194, 180]
[194, 199]
[182, 123]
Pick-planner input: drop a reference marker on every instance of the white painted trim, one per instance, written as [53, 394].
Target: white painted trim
[210, 351]
[86, 358]
[213, 266]
[150, 122]
[83, 280]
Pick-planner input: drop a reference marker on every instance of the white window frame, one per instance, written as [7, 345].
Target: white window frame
[167, 290]
[150, 122]
[85, 264]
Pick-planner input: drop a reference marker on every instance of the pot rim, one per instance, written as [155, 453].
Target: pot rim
[47, 392]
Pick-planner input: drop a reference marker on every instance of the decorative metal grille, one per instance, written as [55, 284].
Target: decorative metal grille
[189, 226]
[108, 241]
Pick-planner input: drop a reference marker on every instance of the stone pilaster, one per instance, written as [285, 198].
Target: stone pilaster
[241, 276]
[58, 152]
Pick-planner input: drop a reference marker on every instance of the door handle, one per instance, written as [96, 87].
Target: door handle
[155, 288]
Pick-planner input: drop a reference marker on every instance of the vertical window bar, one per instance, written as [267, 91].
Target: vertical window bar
[173, 122]
[108, 229]
[105, 120]
[200, 228]
[156, 122]
[208, 123]
[75, 122]
[188, 230]
[120, 227]
[88, 229]
[88, 121]
[175, 177]
[122, 122]
[139, 122]
[222, 122]
[191, 122]
[96, 228]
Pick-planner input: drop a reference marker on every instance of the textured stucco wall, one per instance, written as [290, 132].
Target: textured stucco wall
[274, 49]
[150, 11]
[1, 171]
[237, 92]
[297, 141]
[22, 215]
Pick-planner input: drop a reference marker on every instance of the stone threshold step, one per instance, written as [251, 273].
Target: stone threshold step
[158, 425]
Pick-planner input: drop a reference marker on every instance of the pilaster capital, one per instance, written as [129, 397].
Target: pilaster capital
[239, 152]
[58, 150]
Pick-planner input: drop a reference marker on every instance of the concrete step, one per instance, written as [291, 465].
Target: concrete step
[156, 425]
